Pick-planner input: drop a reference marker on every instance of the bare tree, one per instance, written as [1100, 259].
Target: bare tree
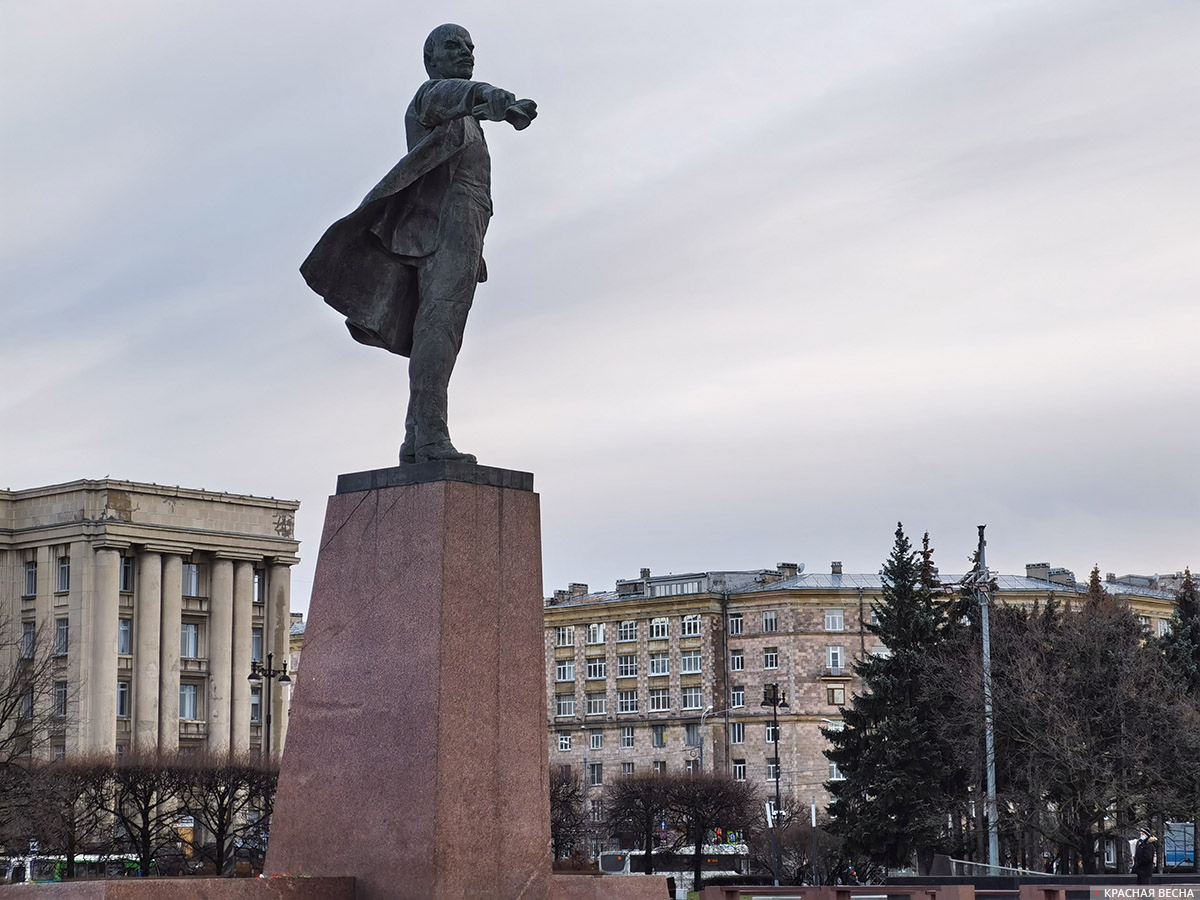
[637, 805]
[60, 813]
[697, 805]
[568, 822]
[142, 793]
[27, 687]
[227, 798]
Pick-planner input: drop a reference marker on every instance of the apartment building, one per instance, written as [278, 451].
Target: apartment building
[154, 601]
[668, 672]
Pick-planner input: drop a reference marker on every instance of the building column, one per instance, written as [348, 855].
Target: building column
[99, 655]
[168, 675]
[147, 618]
[243, 614]
[279, 619]
[220, 655]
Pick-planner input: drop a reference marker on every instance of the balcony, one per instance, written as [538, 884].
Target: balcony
[193, 665]
[195, 604]
[189, 728]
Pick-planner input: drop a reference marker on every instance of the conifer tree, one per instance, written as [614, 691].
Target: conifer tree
[1181, 645]
[890, 804]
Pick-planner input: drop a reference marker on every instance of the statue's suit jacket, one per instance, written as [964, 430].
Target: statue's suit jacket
[364, 263]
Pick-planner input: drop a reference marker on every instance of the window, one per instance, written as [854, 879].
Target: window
[30, 579]
[260, 585]
[627, 701]
[678, 589]
[660, 664]
[126, 574]
[835, 696]
[835, 774]
[1144, 621]
[26, 705]
[626, 768]
[689, 626]
[626, 737]
[64, 575]
[191, 579]
[596, 739]
[597, 814]
[689, 662]
[692, 697]
[564, 670]
[772, 768]
[62, 635]
[59, 751]
[256, 643]
[123, 699]
[658, 735]
[60, 699]
[564, 704]
[626, 666]
[564, 740]
[874, 616]
[691, 766]
[627, 631]
[739, 770]
[659, 766]
[187, 701]
[737, 732]
[691, 734]
[833, 658]
[770, 622]
[189, 640]
[596, 667]
[28, 639]
[660, 629]
[660, 699]
[772, 733]
[834, 620]
[125, 636]
[737, 660]
[564, 636]
[770, 657]
[1164, 627]
[595, 774]
[737, 696]
[881, 651]
[595, 633]
[735, 623]
[597, 704]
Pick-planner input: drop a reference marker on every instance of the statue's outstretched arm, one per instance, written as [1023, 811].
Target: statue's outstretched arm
[454, 98]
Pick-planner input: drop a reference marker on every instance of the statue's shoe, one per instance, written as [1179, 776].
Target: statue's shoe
[442, 451]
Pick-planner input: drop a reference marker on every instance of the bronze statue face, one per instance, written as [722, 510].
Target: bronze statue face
[449, 52]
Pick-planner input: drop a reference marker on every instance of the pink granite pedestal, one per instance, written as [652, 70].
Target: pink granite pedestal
[416, 754]
[412, 759]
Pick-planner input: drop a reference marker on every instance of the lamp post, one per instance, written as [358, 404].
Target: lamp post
[257, 673]
[777, 700]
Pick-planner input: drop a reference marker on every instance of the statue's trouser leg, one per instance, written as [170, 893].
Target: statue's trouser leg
[446, 281]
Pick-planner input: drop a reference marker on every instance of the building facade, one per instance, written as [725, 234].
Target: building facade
[669, 673]
[153, 602]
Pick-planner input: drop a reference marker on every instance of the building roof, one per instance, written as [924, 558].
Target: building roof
[823, 581]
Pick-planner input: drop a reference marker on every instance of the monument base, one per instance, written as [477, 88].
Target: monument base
[416, 753]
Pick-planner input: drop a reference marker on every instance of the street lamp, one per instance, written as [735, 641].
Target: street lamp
[257, 673]
[777, 700]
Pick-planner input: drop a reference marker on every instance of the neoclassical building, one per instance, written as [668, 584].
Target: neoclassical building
[153, 601]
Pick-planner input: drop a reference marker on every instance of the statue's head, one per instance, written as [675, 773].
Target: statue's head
[449, 52]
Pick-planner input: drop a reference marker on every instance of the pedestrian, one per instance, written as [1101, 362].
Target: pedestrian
[1144, 856]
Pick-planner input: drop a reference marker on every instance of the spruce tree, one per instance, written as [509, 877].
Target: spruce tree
[890, 804]
[1181, 645]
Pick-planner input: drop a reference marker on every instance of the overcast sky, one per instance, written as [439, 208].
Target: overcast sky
[765, 278]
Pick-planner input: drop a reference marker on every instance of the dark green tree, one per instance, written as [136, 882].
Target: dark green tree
[1181, 652]
[897, 773]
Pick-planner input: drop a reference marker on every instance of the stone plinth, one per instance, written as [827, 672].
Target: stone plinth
[189, 889]
[416, 753]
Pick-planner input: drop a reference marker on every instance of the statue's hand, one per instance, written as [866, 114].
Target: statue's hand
[520, 114]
